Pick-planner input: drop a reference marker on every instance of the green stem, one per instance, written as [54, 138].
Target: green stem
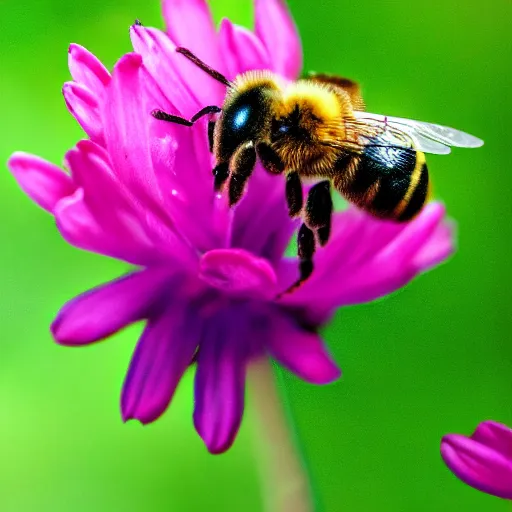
[284, 478]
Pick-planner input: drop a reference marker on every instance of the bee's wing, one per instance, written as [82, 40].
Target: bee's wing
[427, 137]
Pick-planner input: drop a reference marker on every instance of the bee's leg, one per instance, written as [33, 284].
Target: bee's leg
[319, 210]
[242, 165]
[211, 129]
[294, 196]
[170, 118]
[269, 158]
[220, 175]
[306, 249]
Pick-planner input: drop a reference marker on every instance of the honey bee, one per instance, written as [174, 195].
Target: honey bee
[316, 129]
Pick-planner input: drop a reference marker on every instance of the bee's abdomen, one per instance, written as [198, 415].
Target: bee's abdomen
[388, 182]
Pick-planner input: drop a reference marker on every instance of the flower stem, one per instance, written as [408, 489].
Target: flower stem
[284, 478]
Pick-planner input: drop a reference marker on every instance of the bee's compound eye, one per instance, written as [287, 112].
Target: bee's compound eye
[241, 117]
[283, 128]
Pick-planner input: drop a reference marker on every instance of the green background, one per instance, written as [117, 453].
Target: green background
[431, 359]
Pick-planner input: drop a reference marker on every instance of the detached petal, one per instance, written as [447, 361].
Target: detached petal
[87, 70]
[163, 353]
[42, 181]
[219, 385]
[276, 29]
[101, 312]
[242, 49]
[486, 468]
[301, 351]
[84, 107]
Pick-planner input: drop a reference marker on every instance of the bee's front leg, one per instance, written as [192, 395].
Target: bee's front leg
[242, 164]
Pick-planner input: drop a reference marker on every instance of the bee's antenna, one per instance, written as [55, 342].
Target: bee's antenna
[207, 69]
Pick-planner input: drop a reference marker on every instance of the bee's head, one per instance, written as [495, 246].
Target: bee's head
[245, 115]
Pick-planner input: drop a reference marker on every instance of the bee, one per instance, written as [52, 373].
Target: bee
[316, 130]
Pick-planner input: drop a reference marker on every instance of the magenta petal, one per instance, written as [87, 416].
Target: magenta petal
[301, 351]
[242, 50]
[478, 465]
[104, 310]
[114, 209]
[87, 70]
[83, 105]
[42, 181]
[159, 54]
[238, 272]
[367, 258]
[219, 389]
[496, 436]
[78, 227]
[163, 353]
[276, 29]
[190, 24]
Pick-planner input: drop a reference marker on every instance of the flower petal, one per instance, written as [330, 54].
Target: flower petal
[190, 24]
[104, 310]
[301, 351]
[78, 227]
[87, 70]
[263, 227]
[114, 209]
[241, 49]
[42, 181]
[368, 258]
[276, 29]
[238, 272]
[496, 436]
[478, 465]
[159, 54]
[163, 353]
[85, 109]
[219, 386]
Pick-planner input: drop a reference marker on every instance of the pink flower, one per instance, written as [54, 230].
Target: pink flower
[141, 191]
[483, 460]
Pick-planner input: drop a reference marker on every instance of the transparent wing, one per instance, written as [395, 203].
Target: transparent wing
[427, 137]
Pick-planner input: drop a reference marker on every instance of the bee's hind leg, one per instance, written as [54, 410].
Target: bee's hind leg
[306, 246]
[318, 215]
[319, 209]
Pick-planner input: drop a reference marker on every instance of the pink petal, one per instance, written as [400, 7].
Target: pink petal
[252, 213]
[163, 353]
[79, 228]
[496, 436]
[241, 49]
[101, 312]
[87, 70]
[276, 29]
[478, 465]
[238, 272]
[113, 208]
[159, 57]
[42, 181]
[219, 388]
[127, 119]
[190, 24]
[84, 107]
[368, 258]
[301, 351]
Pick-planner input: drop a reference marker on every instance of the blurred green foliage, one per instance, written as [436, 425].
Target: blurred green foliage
[431, 359]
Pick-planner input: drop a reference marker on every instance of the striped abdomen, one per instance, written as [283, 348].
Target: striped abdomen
[389, 182]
